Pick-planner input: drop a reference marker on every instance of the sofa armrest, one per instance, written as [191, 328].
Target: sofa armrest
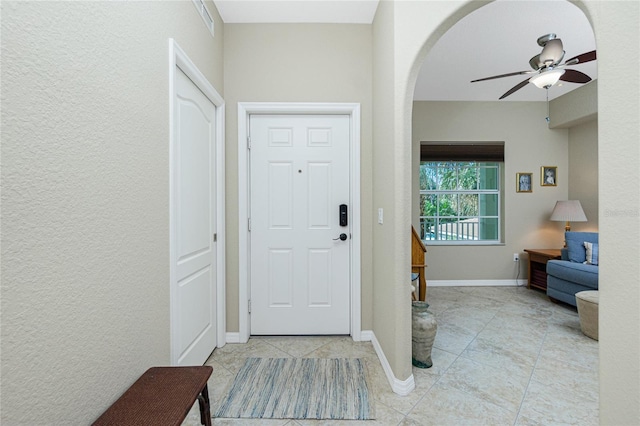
[564, 253]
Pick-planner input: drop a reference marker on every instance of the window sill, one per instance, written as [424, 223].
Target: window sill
[462, 243]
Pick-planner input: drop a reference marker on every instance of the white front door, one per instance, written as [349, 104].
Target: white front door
[193, 218]
[299, 274]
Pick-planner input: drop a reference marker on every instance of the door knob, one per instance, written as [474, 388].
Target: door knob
[342, 237]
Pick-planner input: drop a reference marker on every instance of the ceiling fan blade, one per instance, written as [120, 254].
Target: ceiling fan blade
[573, 76]
[580, 59]
[552, 52]
[515, 88]
[503, 75]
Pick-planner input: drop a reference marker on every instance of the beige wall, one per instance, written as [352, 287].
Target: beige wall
[529, 144]
[583, 172]
[401, 30]
[85, 198]
[576, 107]
[615, 24]
[296, 63]
[577, 111]
[391, 323]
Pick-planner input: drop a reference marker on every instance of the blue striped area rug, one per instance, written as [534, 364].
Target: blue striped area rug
[299, 388]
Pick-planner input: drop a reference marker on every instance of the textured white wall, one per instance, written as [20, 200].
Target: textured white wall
[85, 198]
[617, 29]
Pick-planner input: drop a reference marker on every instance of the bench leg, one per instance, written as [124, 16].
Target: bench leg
[205, 410]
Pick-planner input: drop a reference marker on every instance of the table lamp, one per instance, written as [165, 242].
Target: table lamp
[568, 211]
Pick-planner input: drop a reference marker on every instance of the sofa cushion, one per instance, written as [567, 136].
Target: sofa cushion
[586, 275]
[592, 253]
[575, 244]
[564, 290]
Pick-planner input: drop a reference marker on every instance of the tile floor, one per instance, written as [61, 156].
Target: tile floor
[502, 356]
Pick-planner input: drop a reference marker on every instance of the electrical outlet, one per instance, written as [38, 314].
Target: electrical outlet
[516, 257]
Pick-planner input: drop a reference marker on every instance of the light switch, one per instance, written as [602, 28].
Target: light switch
[380, 216]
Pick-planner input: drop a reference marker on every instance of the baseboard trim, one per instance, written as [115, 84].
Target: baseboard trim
[233, 337]
[476, 283]
[401, 387]
[366, 335]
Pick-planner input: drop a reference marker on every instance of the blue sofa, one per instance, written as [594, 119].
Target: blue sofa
[574, 273]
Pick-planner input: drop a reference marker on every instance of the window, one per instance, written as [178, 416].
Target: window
[460, 199]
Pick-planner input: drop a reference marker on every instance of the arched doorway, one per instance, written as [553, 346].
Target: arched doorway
[618, 130]
[449, 108]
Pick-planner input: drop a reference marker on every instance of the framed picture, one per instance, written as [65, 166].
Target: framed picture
[548, 176]
[524, 182]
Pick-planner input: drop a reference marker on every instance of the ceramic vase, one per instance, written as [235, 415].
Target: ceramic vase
[423, 333]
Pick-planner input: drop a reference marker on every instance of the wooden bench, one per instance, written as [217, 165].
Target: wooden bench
[162, 396]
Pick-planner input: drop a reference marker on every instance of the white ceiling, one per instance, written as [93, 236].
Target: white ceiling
[297, 11]
[498, 38]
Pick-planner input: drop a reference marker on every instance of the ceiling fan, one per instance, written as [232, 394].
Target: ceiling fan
[547, 67]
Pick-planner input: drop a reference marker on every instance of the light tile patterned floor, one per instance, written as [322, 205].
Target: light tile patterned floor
[502, 356]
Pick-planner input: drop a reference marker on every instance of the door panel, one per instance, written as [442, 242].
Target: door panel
[194, 322]
[319, 277]
[280, 278]
[194, 212]
[280, 195]
[300, 277]
[319, 196]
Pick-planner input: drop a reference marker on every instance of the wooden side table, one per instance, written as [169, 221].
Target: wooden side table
[538, 259]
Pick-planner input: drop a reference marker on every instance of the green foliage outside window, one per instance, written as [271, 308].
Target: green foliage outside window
[459, 201]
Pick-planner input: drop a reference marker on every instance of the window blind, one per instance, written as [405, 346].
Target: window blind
[485, 152]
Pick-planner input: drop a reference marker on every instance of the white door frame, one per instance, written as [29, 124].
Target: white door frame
[244, 110]
[178, 58]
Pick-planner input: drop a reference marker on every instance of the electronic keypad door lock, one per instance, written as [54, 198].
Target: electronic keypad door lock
[343, 215]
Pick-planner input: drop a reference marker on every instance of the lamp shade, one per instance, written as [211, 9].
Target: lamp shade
[547, 78]
[568, 211]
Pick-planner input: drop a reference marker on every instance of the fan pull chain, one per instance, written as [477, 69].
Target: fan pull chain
[547, 117]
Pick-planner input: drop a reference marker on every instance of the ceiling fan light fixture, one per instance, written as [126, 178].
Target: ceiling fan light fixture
[547, 79]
